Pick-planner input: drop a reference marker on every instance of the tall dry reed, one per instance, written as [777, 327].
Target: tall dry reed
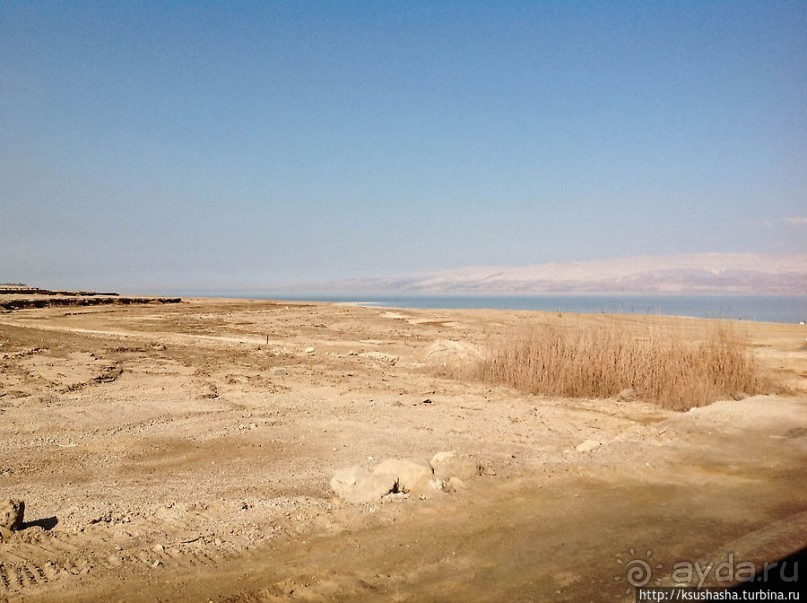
[602, 361]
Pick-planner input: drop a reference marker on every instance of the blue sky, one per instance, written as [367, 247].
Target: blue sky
[252, 144]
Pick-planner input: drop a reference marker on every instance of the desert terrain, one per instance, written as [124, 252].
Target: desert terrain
[185, 451]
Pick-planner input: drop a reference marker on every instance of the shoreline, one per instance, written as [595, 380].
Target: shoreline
[759, 308]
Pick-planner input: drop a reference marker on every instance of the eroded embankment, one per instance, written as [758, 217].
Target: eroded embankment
[47, 302]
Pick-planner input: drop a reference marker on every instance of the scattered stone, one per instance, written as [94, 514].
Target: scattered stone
[427, 401]
[381, 356]
[627, 395]
[588, 446]
[158, 548]
[109, 374]
[211, 392]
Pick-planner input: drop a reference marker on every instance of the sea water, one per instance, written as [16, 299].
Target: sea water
[785, 309]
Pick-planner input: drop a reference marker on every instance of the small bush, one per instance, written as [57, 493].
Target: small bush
[602, 361]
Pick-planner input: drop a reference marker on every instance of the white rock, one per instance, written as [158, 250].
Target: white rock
[441, 457]
[588, 446]
[451, 464]
[426, 486]
[455, 483]
[11, 513]
[405, 472]
[357, 485]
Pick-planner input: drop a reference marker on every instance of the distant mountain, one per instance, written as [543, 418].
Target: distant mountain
[710, 273]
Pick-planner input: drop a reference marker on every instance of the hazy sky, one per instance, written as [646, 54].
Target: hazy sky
[171, 145]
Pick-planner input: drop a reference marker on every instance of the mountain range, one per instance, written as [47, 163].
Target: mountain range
[692, 274]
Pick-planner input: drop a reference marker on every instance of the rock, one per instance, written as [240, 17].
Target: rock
[211, 392]
[381, 356]
[451, 464]
[357, 485]
[454, 484]
[406, 473]
[310, 350]
[588, 446]
[441, 457]
[426, 486]
[11, 514]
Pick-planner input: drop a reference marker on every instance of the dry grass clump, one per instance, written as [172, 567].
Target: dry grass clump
[602, 361]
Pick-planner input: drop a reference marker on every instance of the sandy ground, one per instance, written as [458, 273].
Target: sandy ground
[184, 452]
